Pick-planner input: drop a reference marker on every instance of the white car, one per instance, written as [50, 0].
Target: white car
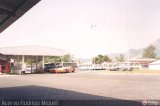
[28, 69]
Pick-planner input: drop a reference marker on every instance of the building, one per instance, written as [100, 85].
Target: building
[18, 59]
[4, 64]
[10, 11]
[155, 65]
[143, 62]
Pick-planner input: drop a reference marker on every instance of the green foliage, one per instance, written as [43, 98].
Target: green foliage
[66, 58]
[55, 59]
[149, 52]
[120, 58]
[30, 61]
[101, 58]
[52, 59]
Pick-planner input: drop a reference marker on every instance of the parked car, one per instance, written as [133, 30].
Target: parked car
[112, 67]
[29, 69]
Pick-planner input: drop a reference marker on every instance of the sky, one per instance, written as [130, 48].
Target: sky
[119, 25]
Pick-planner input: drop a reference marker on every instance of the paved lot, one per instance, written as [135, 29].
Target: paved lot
[80, 86]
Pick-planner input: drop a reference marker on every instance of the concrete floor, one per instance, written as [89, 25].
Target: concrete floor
[80, 86]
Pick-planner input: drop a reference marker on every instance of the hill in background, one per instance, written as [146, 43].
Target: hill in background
[133, 53]
[137, 53]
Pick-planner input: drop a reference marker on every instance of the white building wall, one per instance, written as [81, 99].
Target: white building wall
[154, 66]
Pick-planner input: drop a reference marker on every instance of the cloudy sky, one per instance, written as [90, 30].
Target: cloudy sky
[66, 24]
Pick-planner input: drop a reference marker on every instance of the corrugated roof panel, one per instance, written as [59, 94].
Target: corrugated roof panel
[33, 50]
[11, 10]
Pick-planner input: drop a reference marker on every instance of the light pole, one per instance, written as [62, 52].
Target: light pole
[127, 33]
[93, 27]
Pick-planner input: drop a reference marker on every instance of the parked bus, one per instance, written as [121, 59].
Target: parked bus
[90, 67]
[60, 67]
[122, 66]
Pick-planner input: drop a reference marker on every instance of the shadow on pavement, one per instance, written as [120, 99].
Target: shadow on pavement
[60, 97]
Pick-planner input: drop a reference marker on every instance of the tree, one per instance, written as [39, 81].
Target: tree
[120, 58]
[66, 58]
[55, 59]
[149, 52]
[52, 59]
[101, 58]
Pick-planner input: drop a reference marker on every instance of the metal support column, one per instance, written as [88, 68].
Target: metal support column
[42, 62]
[23, 64]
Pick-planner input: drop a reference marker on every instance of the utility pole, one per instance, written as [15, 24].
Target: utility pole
[93, 27]
[127, 35]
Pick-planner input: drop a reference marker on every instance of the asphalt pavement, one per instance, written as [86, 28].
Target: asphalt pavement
[81, 87]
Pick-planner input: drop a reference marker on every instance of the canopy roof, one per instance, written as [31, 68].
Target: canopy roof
[11, 10]
[32, 50]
